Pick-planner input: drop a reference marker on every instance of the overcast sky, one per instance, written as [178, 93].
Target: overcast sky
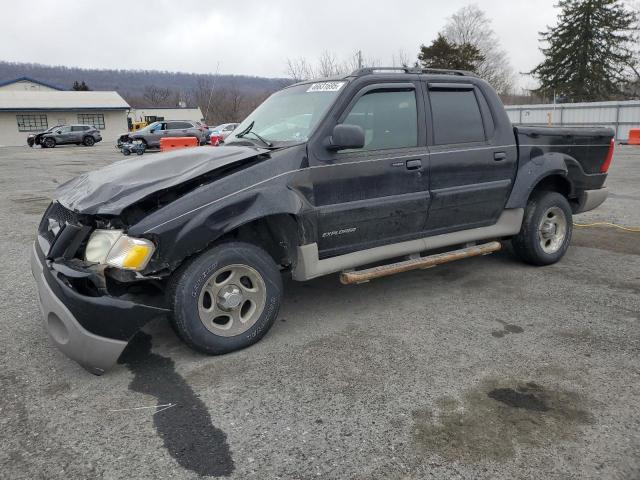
[252, 37]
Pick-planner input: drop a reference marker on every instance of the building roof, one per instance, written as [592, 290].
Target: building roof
[29, 79]
[61, 100]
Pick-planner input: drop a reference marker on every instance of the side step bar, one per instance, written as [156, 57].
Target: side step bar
[360, 276]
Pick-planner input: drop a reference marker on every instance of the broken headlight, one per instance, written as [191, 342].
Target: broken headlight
[113, 248]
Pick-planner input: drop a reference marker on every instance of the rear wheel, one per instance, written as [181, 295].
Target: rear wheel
[225, 299]
[49, 142]
[546, 229]
[88, 141]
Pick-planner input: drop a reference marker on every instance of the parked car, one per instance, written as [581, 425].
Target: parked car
[86, 135]
[151, 134]
[325, 176]
[221, 132]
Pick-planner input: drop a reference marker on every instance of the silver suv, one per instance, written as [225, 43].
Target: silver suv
[151, 134]
[87, 135]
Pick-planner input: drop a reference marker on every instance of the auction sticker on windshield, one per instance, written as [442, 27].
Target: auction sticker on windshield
[326, 87]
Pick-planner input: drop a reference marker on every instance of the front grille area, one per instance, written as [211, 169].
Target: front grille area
[54, 220]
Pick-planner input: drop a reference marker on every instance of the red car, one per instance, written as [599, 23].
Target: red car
[219, 133]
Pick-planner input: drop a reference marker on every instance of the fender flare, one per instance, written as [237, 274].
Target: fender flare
[531, 173]
[214, 221]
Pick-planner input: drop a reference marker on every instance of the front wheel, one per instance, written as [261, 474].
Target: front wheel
[49, 142]
[546, 229]
[225, 299]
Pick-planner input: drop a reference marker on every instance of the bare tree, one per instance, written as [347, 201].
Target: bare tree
[156, 96]
[299, 69]
[328, 65]
[401, 59]
[471, 25]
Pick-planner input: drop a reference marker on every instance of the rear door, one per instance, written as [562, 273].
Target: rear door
[181, 129]
[378, 194]
[77, 133]
[471, 171]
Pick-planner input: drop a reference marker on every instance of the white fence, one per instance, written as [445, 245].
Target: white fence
[621, 116]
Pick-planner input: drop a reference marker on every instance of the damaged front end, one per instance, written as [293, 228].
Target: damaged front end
[98, 285]
[89, 314]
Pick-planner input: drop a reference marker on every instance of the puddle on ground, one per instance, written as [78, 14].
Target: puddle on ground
[497, 418]
[186, 429]
[506, 330]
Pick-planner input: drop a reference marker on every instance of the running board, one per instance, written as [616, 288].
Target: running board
[360, 276]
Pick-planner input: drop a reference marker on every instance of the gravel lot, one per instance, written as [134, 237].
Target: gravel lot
[485, 368]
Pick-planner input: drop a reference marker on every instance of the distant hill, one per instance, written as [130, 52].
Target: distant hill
[223, 98]
[132, 83]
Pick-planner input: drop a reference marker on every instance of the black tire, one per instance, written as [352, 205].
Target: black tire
[88, 141]
[531, 245]
[187, 290]
[126, 152]
[48, 142]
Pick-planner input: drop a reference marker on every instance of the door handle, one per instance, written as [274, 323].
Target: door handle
[499, 156]
[414, 164]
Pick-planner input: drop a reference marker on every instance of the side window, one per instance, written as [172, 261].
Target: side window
[77, 128]
[178, 125]
[456, 117]
[389, 119]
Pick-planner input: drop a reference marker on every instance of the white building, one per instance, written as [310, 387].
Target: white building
[28, 84]
[141, 114]
[28, 106]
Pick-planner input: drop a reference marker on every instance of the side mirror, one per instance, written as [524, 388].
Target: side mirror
[59, 132]
[346, 136]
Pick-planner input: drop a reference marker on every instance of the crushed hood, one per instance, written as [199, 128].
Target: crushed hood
[111, 189]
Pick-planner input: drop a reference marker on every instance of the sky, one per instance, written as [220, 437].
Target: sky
[253, 37]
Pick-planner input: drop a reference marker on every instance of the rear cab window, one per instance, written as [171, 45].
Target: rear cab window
[456, 115]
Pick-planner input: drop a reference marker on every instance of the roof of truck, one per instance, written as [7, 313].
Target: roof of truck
[396, 71]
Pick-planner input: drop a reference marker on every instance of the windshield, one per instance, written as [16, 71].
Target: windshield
[290, 114]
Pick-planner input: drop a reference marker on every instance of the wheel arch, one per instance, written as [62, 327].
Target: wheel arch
[270, 220]
[545, 172]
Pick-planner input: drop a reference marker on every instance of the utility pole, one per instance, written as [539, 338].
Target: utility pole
[359, 59]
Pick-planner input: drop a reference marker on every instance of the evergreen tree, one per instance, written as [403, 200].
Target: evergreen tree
[444, 54]
[82, 87]
[588, 53]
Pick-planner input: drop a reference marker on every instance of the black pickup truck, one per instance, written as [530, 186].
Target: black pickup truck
[367, 174]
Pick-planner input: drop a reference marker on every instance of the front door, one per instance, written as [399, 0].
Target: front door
[378, 194]
[64, 135]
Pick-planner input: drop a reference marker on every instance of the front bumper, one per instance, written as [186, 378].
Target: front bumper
[68, 315]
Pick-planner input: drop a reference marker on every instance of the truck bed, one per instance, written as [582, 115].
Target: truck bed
[588, 146]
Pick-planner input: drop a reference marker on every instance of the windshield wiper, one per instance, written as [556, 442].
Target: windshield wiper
[247, 131]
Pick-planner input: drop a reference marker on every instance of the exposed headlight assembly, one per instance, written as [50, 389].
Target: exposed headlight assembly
[113, 248]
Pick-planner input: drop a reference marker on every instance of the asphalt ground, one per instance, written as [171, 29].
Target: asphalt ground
[484, 368]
